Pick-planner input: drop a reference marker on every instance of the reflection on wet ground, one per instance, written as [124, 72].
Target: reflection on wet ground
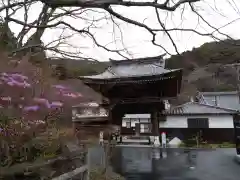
[144, 163]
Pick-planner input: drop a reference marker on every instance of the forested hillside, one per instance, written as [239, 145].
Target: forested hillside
[207, 68]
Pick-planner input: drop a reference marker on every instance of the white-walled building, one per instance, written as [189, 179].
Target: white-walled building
[185, 121]
[195, 115]
[131, 121]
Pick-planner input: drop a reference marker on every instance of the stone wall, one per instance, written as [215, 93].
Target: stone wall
[91, 131]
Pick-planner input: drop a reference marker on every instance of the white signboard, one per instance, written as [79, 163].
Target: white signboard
[164, 139]
[101, 137]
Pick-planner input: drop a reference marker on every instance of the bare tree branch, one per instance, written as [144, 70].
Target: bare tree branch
[56, 24]
[103, 3]
[94, 13]
[4, 7]
[167, 32]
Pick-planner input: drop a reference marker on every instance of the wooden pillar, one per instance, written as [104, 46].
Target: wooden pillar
[155, 124]
[161, 118]
[115, 118]
[236, 121]
[110, 115]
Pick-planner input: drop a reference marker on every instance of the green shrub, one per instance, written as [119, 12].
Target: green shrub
[227, 145]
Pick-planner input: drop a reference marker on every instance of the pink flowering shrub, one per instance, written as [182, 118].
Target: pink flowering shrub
[30, 102]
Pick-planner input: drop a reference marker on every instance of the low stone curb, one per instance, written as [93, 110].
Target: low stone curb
[29, 167]
[200, 149]
[237, 158]
[71, 174]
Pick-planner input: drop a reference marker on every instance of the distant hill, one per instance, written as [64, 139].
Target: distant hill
[205, 67]
[75, 68]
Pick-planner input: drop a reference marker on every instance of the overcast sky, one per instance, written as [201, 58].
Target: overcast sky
[138, 40]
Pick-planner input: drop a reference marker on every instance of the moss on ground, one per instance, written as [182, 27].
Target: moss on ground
[209, 145]
[103, 174]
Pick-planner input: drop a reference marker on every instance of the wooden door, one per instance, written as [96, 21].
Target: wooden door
[137, 129]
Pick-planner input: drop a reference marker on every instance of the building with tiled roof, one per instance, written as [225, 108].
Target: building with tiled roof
[189, 119]
[136, 86]
[228, 99]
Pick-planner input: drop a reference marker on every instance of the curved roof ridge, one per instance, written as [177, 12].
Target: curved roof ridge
[179, 107]
[132, 70]
[182, 109]
[217, 107]
[138, 59]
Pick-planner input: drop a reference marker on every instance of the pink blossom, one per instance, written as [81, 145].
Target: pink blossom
[40, 100]
[26, 84]
[10, 83]
[60, 87]
[43, 101]
[78, 94]
[73, 95]
[18, 84]
[31, 108]
[16, 75]
[57, 103]
[20, 98]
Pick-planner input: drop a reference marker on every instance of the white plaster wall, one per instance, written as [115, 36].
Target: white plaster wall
[174, 122]
[221, 121]
[134, 121]
[124, 123]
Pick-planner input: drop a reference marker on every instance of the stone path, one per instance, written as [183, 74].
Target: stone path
[210, 165]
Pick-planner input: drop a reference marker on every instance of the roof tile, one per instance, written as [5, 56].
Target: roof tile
[229, 99]
[197, 108]
[132, 70]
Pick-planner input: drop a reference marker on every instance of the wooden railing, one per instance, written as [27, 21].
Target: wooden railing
[81, 173]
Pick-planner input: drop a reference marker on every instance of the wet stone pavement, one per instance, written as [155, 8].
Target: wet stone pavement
[143, 163]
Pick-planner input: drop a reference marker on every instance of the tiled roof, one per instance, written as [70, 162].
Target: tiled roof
[229, 99]
[219, 93]
[132, 68]
[197, 108]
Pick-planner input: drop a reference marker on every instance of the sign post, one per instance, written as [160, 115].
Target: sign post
[164, 140]
[164, 144]
[101, 138]
[236, 120]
